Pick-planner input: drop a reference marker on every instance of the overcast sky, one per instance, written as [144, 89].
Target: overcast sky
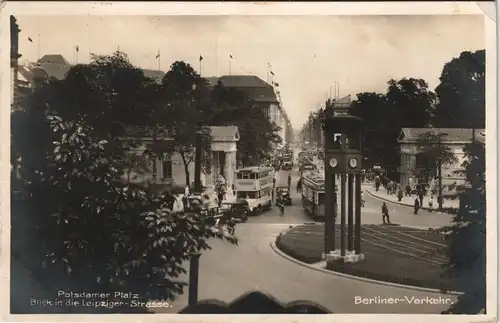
[308, 54]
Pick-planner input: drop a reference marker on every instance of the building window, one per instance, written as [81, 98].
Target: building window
[166, 168]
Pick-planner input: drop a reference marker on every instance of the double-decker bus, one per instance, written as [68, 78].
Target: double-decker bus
[313, 195]
[255, 185]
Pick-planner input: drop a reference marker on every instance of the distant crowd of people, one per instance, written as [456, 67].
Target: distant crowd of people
[419, 190]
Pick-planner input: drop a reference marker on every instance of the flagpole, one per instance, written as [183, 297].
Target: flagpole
[159, 59]
[338, 91]
[39, 44]
[230, 64]
[217, 57]
[76, 60]
[201, 72]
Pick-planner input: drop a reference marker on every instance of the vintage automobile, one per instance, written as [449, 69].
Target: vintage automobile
[235, 209]
[283, 195]
[198, 204]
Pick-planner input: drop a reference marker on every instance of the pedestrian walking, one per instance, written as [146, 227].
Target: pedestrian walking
[385, 214]
[400, 193]
[416, 206]
[220, 195]
[431, 202]
[421, 196]
[289, 181]
[362, 199]
[299, 186]
[281, 207]
[408, 190]
[377, 183]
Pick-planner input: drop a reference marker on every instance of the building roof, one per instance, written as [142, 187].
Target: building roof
[53, 59]
[459, 135]
[224, 133]
[212, 80]
[55, 70]
[243, 81]
[257, 89]
[155, 75]
[57, 66]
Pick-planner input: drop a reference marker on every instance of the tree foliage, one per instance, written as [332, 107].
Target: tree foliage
[433, 147]
[380, 133]
[407, 103]
[410, 103]
[467, 249]
[461, 92]
[188, 103]
[258, 136]
[67, 182]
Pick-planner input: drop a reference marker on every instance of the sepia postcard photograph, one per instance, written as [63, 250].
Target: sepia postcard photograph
[248, 158]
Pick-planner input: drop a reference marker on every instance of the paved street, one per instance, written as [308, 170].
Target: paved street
[228, 271]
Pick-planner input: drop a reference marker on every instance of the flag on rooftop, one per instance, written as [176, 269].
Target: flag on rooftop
[272, 73]
[30, 40]
[158, 56]
[201, 58]
[77, 48]
[230, 56]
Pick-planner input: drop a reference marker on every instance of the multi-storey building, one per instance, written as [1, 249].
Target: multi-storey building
[262, 93]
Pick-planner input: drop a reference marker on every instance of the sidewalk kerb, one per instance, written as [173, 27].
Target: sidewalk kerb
[276, 249]
[404, 204]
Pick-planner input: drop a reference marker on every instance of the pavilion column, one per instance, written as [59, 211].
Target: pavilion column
[227, 169]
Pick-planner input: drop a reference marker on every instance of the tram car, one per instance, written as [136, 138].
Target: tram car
[313, 195]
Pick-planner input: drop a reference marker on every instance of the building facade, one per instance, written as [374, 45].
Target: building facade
[411, 169]
[169, 171]
[264, 96]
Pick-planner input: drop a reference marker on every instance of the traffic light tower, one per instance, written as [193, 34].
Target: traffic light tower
[343, 158]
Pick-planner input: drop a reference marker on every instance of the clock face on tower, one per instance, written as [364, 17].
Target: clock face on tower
[333, 162]
[353, 162]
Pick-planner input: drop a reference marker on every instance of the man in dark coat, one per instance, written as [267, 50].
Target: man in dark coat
[385, 214]
[421, 196]
[416, 206]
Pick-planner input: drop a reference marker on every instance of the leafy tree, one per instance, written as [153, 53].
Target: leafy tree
[410, 103]
[380, 132]
[461, 92]
[467, 249]
[67, 188]
[434, 150]
[258, 136]
[110, 94]
[187, 100]
[407, 103]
